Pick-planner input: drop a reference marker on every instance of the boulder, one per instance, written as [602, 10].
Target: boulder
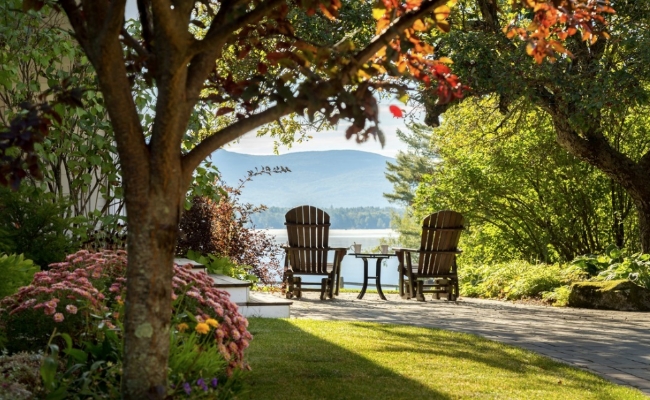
[620, 295]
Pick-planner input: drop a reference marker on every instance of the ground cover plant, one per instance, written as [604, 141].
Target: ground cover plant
[306, 359]
[73, 314]
[516, 280]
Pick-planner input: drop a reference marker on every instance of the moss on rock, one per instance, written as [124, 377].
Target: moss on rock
[622, 295]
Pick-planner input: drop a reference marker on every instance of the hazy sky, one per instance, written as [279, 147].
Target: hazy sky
[330, 140]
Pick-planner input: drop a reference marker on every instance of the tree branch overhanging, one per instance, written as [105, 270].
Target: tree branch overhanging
[192, 159]
[220, 30]
[77, 21]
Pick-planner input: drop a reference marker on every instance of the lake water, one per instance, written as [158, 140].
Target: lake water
[351, 267]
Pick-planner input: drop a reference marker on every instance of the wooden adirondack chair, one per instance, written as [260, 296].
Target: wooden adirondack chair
[436, 258]
[307, 250]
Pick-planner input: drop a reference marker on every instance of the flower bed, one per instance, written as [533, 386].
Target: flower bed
[85, 294]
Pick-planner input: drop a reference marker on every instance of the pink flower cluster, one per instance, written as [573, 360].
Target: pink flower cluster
[206, 301]
[89, 283]
[77, 280]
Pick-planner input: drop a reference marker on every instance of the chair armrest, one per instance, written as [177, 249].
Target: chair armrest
[401, 249]
[345, 249]
[339, 253]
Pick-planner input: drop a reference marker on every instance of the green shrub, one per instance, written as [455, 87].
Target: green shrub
[223, 265]
[614, 264]
[35, 226]
[514, 280]
[594, 264]
[16, 271]
[559, 296]
[90, 372]
[635, 268]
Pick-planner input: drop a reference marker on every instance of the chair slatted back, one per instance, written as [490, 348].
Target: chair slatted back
[308, 234]
[439, 246]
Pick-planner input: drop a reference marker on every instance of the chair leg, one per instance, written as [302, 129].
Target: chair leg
[297, 291]
[412, 289]
[323, 288]
[288, 280]
[420, 295]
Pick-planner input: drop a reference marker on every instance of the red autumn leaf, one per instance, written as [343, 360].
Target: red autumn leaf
[262, 68]
[396, 111]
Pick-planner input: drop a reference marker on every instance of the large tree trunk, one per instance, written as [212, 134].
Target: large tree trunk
[152, 235]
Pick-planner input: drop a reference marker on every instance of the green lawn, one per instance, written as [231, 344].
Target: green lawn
[305, 359]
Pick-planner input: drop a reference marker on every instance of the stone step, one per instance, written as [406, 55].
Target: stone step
[264, 305]
[251, 304]
[239, 290]
[196, 267]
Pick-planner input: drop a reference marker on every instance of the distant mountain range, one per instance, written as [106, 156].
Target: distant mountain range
[335, 178]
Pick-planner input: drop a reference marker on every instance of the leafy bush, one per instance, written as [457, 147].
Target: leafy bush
[20, 377]
[16, 271]
[558, 296]
[515, 279]
[94, 371]
[224, 266]
[35, 226]
[635, 268]
[594, 264]
[615, 264]
[222, 229]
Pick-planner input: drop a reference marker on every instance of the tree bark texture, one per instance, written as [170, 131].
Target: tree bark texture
[151, 240]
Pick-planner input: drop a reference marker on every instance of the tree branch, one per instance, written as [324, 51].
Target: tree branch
[204, 52]
[115, 19]
[220, 30]
[134, 44]
[232, 132]
[77, 21]
[167, 23]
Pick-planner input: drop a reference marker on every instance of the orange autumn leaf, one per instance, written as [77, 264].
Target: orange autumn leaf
[419, 25]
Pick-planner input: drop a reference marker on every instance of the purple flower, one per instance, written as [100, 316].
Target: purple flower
[202, 384]
[187, 388]
[214, 382]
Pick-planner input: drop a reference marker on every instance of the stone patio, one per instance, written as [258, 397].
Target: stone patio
[612, 344]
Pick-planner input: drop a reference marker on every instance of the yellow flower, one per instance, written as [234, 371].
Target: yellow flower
[212, 322]
[202, 328]
[182, 327]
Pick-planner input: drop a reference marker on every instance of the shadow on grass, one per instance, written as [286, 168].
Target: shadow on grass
[307, 359]
[289, 363]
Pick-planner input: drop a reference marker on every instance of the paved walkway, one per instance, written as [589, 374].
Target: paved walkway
[613, 344]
